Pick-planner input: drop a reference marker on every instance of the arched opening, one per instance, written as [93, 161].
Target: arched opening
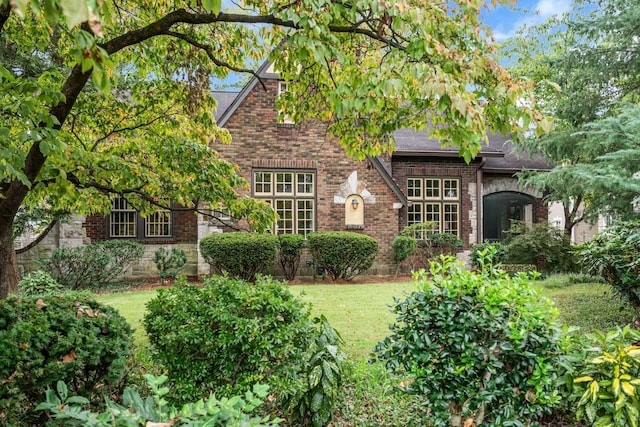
[354, 211]
[500, 209]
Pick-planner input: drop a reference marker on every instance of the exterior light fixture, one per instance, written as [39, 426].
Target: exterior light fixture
[354, 203]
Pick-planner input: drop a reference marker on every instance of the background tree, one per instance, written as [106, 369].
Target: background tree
[104, 98]
[586, 66]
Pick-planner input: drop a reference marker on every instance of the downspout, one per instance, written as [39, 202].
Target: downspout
[480, 213]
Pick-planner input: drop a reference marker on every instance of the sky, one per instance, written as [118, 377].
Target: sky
[505, 21]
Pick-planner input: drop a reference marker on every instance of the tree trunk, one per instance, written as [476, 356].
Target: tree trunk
[8, 264]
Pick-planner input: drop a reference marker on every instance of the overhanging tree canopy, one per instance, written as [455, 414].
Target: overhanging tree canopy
[102, 98]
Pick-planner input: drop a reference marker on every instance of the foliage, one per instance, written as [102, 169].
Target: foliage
[343, 254]
[290, 251]
[539, 244]
[39, 283]
[403, 247]
[67, 337]
[419, 230]
[491, 252]
[325, 372]
[475, 346]
[613, 254]
[169, 262]
[122, 105]
[155, 409]
[100, 262]
[585, 66]
[603, 375]
[229, 335]
[240, 255]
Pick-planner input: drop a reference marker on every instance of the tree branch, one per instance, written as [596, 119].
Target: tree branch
[5, 11]
[38, 239]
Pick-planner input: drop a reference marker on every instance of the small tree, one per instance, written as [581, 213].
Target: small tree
[169, 262]
[478, 347]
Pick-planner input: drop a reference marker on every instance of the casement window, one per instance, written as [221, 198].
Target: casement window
[291, 194]
[435, 200]
[125, 221]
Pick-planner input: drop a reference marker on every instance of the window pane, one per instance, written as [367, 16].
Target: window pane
[431, 188]
[305, 217]
[432, 214]
[158, 224]
[262, 183]
[284, 209]
[450, 188]
[305, 184]
[284, 183]
[414, 188]
[122, 219]
[451, 218]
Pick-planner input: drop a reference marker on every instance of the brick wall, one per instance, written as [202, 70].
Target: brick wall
[259, 141]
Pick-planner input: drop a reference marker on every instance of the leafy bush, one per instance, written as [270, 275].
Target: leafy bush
[169, 262]
[81, 267]
[68, 337]
[495, 253]
[403, 247]
[343, 254]
[602, 381]
[419, 230]
[155, 410]
[240, 255]
[39, 283]
[539, 244]
[613, 254]
[229, 335]
[478, 347]
[290, 251]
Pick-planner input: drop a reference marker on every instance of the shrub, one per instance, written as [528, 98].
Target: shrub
[342, 254]
[602, 380]
[403, 248]
[39, 283]
[81, 267]
[229, 335]
[67, 337]
[477, 347]
[154, 410]
[495, 253]
[419, 230]
[290, 251]
[539, 244]
[613, 254]
[169, 262]
[240, 255]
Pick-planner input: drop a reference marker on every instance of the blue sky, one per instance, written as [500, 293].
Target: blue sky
[505, 21]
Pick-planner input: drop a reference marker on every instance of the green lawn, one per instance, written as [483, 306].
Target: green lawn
[360, 312]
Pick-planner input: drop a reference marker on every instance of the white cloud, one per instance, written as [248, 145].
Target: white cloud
[547, 8]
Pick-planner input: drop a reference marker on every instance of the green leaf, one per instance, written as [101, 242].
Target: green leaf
[75, 11]
[212, 6]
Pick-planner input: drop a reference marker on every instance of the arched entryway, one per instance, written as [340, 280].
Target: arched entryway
[500, 209]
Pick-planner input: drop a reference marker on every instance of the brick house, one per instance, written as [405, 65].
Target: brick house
[314, 186]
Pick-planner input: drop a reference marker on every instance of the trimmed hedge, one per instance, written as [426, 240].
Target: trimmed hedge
[342, 254]
[240, 255]
[65, 337]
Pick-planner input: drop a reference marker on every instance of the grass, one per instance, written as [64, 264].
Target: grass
[360, 311]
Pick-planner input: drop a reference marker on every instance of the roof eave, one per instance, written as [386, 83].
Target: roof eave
[382, 171]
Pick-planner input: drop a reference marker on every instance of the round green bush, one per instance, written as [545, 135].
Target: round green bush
[403, 247]
[476, 346]
[39, 283]
[342, 254]
[228, 335]
[240, 255]
[68, 337]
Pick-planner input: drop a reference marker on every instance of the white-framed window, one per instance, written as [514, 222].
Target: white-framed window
[285, 119]
[126, 222]
[291, 194]
[435, 200]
